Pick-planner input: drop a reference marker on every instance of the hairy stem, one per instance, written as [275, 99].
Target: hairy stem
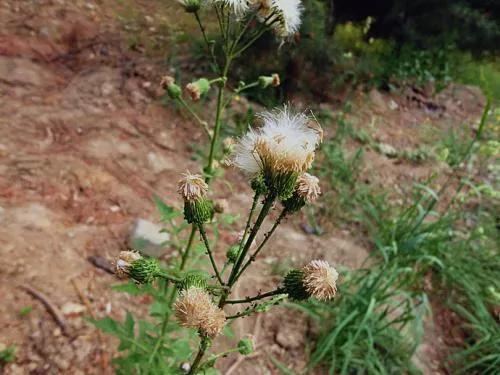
[261, 246]
[209, 252]
[201, 352]
[255, 298]
[185, 254]
[266, 207]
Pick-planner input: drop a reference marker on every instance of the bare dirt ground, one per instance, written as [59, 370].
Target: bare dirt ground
[85, 144]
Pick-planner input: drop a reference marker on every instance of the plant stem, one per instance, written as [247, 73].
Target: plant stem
[255, 298]
[202, 123]
[261, 246]
[268, 203]
[252, 309]
[249, 220]
[185, 254]
[170, 298]
[218, 114]
[201, 352]
[168, 277]
[209, 252]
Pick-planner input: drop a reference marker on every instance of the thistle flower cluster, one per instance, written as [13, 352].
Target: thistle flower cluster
[193, 189]
[282, 16]
[280, 152]
[316, 279]
[195, 309]
[132, 264]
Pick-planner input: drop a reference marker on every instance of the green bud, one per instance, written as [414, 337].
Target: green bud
[173, 90]
[198, 88]
[233, 254]
[258, 185]
[191, 6]
[144, 270]
[294, 203]
[282, 184]
[192, 280]
[294, 286]
[266, 81]
[198, 211]
[246, 346]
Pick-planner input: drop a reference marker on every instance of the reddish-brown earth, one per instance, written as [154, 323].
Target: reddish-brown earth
[85, 144]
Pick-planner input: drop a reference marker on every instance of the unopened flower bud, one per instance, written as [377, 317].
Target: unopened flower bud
[192, 280]
[258, 185]
[199, 211]
[132, 264]
[266, 81]
[306, 191]
[198, 88]
[233, 254]
[294, 285]
[173, 90]
[246, 346]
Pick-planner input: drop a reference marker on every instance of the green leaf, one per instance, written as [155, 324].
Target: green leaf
[167, 212]
[129, 288]
[107, 325]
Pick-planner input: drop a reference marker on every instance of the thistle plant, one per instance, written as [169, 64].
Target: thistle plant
[275, 158]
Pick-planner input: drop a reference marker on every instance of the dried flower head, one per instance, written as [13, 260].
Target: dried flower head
[320, 279]
[167, 81]
[272, 80]
[308, 187]
[173, 90]
[192, 187]
[124, 263]
[276, 80]
[280, 150]
[195, 309]
[197, 88]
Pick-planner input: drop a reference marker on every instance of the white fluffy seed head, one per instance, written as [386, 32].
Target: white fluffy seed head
[320, 279]
[239, 7]
[195, 309]
[192, 186]
[284, 16]
[284, 144]
[308, 187]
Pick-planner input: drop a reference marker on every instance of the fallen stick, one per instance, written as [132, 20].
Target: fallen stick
[49, 306]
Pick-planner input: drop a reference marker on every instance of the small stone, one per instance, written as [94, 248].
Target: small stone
[114, 208]
[387, 150]
[393, 105]
[289, 339]
[107, 88]
[147, 238]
